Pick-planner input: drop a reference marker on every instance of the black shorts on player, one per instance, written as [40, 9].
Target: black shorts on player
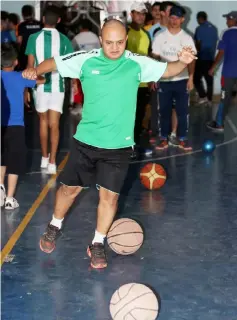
[86, 165]
[13, 149]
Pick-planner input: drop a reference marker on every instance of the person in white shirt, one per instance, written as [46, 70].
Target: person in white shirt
[165, 47]
[86, 39]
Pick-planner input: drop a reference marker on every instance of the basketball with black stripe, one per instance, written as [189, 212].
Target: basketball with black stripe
[125, 236]
[134, 301]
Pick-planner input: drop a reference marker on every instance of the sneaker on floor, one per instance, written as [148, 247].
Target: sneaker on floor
[11, 203]
[2, 195]
[162, 145]
[173, 140]
[184, 144]
[48, 239]
[52, 168]
[214, 126]
[97, 254]
[44, 163]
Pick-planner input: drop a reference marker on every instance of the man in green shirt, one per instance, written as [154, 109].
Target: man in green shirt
[103, 142]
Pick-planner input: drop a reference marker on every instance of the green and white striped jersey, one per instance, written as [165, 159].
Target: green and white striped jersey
[46, 44]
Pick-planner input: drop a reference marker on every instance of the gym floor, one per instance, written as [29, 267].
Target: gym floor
[189, 255]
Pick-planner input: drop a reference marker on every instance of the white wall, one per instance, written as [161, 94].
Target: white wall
[15, 6]
[214, 9]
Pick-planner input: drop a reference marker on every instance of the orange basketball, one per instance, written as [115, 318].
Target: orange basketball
[125, 236]
[153, 176]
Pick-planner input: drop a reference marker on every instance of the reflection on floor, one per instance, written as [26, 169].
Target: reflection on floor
[189, 256]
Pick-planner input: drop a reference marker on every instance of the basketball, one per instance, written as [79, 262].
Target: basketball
[134, 301]
[153, 176]
[125, 236]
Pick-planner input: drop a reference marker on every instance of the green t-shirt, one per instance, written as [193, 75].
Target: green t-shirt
[110, 94]
[46, 44]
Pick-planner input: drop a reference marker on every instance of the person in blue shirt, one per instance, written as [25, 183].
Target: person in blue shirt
[228, 53]
[13, 149]
[5, 33]
[13, 23]
[206, 37]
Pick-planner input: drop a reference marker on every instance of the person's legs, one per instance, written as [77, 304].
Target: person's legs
[54, 118]
[76, 176]
[43, 123]
[112, 163]
[182, 99]
[56, 100]
[15, 163]
[142, 101]
[209, 79]
[198, 83]
[3, 164]
[165, 102]
[154, 113]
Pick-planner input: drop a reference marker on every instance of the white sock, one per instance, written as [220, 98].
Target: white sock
[98, 238]
[57, 222]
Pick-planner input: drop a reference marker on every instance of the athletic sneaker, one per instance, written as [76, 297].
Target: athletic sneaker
[44, 163]
[173, 140]
[11, 203]
[2, 195]
[215, 127]
[184, 144]
[162, 145]
[48, 239]
[97, 254]
[52, 169]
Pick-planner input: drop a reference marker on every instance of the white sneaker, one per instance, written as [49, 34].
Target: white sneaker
[11, 203]
[44, 163]
[52, 169]
[2, 195]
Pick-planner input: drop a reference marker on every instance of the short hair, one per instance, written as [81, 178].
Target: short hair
[14, 18]
[165, 4]
[202, 15]
[85, 24]
[4, 15]
[27, 11]
[51, 15]
[181, 9]
[157, 3]
[148, 17]
[8, 55]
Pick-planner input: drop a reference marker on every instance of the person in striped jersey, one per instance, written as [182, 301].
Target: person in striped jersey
[49, 97]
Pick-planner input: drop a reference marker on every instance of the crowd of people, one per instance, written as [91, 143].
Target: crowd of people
[152, 61]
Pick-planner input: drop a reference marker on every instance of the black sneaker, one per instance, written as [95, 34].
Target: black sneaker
[173, 140]
[48, 239]
[214, 126]
[97, 254]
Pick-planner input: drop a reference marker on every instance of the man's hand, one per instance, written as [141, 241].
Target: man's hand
[186, 55]
[190, 85]
[211, 72]
[27, 98]
[152, 86]
[30, 74]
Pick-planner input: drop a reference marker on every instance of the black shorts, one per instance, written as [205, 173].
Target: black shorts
[86, 165]
[13, 149]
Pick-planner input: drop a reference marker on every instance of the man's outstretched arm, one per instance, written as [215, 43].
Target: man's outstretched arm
[46, 66]
[186, 56]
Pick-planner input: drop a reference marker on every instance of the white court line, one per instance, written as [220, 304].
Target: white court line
[230, 122]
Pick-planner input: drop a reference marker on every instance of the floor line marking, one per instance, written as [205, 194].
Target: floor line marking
[231, 124]
[27, 218]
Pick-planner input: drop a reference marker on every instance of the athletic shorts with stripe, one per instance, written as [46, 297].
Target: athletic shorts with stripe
[88, 165]
[45, 101]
